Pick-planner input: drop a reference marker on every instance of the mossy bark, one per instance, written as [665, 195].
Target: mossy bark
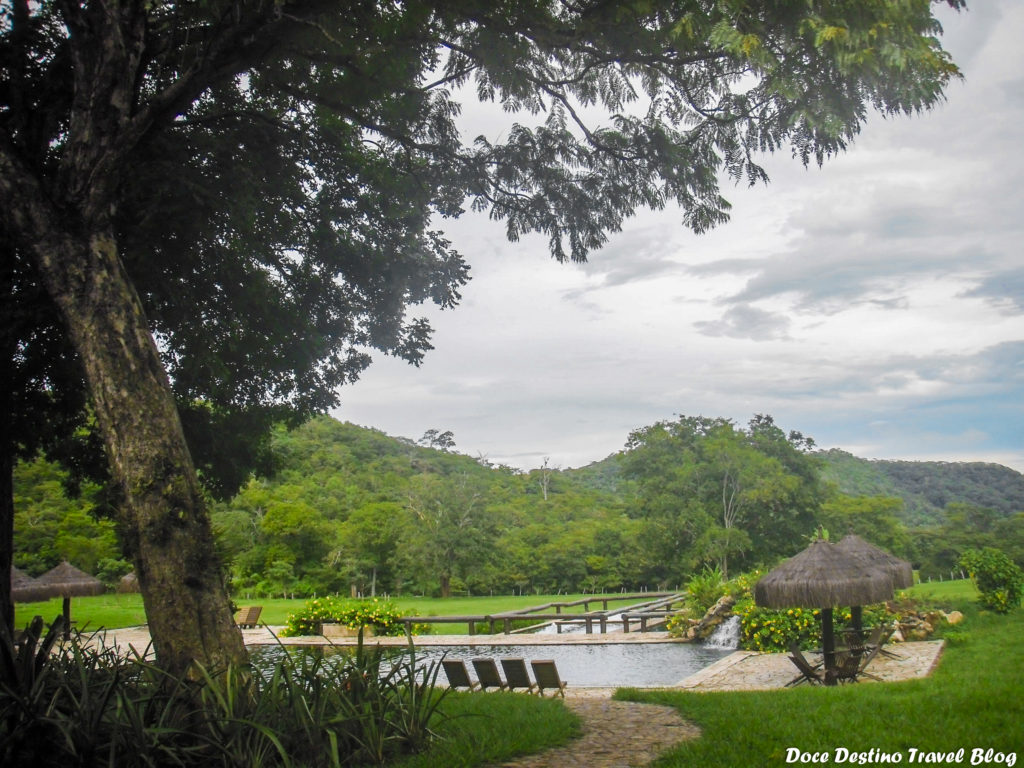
[163, 517]
[63, 217]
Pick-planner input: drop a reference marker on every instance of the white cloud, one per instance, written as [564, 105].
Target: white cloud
[876, 304]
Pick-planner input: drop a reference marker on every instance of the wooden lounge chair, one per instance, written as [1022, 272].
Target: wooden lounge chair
[888, 630]
[249, 617]
[547, 676]
[874, 645]
[808, 673]
[865, 658]
[487, 674]
[457, 674]
[847, 667]
[516, 675]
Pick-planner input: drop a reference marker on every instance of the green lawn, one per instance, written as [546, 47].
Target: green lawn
[108, 611]
[972, 701]
[114, 610]
[493, 727]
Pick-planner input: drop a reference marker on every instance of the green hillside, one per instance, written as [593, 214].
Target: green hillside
[927, 487]
[353, 509]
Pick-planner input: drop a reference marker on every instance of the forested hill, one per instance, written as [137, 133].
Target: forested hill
[927, 487]
[349, 508]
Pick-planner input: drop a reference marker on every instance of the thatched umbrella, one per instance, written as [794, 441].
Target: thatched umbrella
[25, 589]
[823, 576]
[67, 581]
[902, 571]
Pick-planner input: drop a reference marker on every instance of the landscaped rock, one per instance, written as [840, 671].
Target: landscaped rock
[912, 625]
[716, 614]
[954, 617]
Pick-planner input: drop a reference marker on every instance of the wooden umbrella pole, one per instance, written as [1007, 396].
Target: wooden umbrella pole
[828, 646]
[857, 618]
[66, 609]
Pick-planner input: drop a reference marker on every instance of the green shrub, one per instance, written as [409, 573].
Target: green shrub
[704, 590]
[956, 635]
[743, 585]
[677, 624]
[998, 579]
[64, 704]
[382, 615]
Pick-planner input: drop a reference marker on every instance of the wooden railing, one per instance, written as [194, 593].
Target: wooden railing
[654, 609]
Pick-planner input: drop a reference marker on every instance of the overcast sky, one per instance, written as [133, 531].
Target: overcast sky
[875, 304]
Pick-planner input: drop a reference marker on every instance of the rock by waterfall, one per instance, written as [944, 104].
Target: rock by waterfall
[718, 613]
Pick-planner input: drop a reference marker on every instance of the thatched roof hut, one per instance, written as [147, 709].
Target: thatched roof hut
[902, 571]
[67, 581]
[823, 576]
[25, 589]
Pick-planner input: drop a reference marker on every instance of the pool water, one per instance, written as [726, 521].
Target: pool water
[639, 665]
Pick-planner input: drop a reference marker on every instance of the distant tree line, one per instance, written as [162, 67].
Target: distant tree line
[349, 509]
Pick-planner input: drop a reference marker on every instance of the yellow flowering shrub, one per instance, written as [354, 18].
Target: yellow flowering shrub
[382, 615]
[768, 629]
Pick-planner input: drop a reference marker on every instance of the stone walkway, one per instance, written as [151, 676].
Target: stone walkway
[616, 734]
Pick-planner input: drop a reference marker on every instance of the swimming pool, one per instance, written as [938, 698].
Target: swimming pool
[639, 665]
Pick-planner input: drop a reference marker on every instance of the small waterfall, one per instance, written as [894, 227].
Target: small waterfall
[726, 635]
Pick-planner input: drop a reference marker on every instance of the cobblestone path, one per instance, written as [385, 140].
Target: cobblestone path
[616, 734]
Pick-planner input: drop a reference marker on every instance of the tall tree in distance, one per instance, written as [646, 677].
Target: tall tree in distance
[725, 491]
[451, 527]
[290, 155]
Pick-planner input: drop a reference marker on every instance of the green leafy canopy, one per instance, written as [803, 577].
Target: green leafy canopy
[273, 167]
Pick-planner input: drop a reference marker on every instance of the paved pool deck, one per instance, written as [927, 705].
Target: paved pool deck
[742, 670]
[753, 671]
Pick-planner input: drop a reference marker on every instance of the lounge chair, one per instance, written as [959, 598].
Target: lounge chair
[874, 637]
[808, 673]
[516, 675]
[875, 644]
[457, 674]
[866, 658]
[888, 630]
[249, 617]
[487, 674]
[847, 667]
[547, 676]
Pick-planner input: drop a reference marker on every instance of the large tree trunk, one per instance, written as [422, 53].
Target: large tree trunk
[7, 352]
[6, 529]
[163, 516]
[63, 217]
